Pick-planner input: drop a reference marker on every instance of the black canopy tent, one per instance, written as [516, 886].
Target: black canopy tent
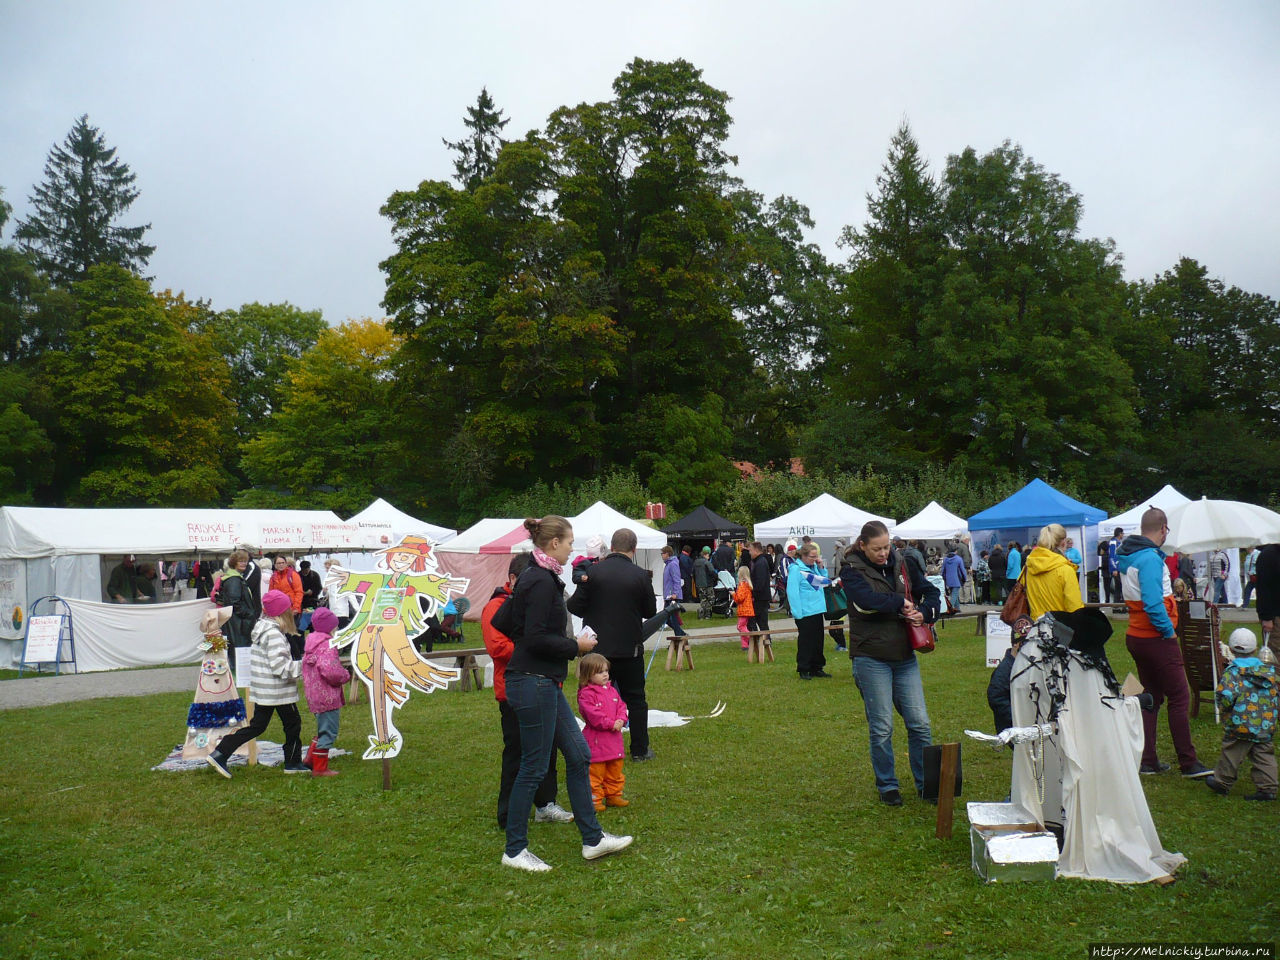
[703, 524]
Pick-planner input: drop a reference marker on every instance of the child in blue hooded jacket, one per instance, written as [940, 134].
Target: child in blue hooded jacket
[1249, 692]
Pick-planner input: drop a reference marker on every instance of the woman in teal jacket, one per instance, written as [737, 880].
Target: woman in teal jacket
[805, 582]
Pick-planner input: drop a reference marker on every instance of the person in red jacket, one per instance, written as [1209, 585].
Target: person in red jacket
[500, 648]
[285, 579]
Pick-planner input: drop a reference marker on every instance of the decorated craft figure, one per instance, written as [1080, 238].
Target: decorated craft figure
[393, 608]
[217, 709]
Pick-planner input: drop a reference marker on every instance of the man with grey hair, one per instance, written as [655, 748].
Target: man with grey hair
[615, 602]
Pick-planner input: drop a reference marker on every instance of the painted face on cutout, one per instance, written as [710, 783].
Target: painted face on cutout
[215, 677]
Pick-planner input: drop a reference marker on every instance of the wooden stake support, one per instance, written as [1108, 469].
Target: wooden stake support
[947, 789]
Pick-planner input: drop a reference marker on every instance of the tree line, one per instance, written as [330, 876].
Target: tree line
[602, 310]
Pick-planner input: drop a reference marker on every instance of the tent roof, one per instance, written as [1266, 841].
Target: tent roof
[28, 532]
[507, 536]
[704, 522]
[494, 535]
[1166, 498]
[934, 522]
[1034, 505]
[382, 519]
[602, 519]
[823, 516]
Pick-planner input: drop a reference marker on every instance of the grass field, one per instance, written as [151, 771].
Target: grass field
[758, 834]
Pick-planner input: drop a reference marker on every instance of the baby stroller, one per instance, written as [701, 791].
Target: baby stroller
[722, 604]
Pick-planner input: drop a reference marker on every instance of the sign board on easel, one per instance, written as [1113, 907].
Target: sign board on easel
[999, 637]
[45, 638]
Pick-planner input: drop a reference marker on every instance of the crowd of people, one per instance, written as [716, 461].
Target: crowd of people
[886, 588]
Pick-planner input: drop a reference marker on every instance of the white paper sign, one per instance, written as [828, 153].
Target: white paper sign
[244, 665]
[999, 635]
[43, 637]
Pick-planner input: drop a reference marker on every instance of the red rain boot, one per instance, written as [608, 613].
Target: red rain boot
[311, 755]
[321, 767]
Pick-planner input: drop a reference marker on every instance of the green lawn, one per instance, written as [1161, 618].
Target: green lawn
[758, 834]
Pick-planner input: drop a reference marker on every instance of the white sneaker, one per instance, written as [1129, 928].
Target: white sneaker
[526, 859]
[608, 844]
[552, 813]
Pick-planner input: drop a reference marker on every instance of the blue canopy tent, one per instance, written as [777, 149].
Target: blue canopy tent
[1020, 517]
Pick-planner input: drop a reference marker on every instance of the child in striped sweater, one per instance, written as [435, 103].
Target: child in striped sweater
[273, 687]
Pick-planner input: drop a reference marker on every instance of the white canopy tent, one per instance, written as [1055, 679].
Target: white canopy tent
[382, 524]
[934, 522]
[1166, 498]
[824, 516]
[824, 519]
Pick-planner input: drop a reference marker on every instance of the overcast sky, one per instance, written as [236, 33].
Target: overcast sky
[265, 136]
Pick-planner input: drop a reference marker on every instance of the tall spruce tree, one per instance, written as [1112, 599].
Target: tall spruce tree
[478, 150]
[72, 226]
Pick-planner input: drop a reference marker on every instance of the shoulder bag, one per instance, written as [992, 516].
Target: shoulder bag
[923, 638]
[1016, 607]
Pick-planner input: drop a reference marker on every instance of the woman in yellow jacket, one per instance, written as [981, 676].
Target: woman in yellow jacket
[1053, 582]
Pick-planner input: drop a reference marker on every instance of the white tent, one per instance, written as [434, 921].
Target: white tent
[68, 552]
[381, 524]
[934, 522]
[30, 532]
[1166, 498]
[483, 551]
[823, 517]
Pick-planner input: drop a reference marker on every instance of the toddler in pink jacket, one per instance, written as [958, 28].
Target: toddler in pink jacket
[323, 677]
[605, 715]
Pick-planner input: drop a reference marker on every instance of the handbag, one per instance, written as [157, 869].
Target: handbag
[836, 603]
[1016, 607]
[922, 637]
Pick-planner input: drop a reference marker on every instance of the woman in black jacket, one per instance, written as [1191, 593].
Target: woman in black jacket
[535, 619]
[233, 592]
[885, 668]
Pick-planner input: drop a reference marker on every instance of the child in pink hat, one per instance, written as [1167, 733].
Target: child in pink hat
[323, 677]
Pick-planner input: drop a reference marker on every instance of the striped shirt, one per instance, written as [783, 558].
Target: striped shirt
[274, 674]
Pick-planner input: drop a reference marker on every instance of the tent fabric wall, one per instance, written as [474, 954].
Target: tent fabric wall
[111, 636]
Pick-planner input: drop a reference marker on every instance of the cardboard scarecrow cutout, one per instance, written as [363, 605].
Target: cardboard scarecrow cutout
[217, 709]
[393, 608]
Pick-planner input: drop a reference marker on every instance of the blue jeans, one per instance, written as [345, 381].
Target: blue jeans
[886, 685]
[326, 729]
[954, 593]
[673, 621]
[546, 724]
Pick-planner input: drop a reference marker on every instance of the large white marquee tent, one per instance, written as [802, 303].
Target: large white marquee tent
[69, 552]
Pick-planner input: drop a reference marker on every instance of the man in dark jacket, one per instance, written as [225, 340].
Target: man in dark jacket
[723, 558]
[615, 602]
[686, 571]
[999, 565]
[1268, 592]
[760, 586]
